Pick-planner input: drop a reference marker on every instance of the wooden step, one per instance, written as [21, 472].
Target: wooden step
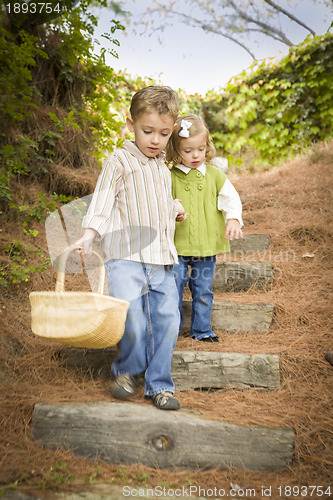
[219, 370]
[193, 369]
[125, 433]
[237, 276]
[233, 317]
[253, 243]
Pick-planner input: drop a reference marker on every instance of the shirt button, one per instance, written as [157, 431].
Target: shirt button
[187, 188]
[200, 187]
[198, 174]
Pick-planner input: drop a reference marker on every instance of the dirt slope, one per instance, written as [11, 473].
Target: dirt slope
[293, 205]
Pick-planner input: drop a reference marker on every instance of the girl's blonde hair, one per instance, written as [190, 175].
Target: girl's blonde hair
[197, 127]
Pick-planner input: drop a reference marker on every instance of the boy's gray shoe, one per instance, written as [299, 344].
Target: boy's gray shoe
[123, 387]
[166, 401]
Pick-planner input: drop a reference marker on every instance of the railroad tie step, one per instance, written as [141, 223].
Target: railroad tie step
[238, 276]
[250, 244]
[125, 433]
[234, 317]
[220, 370]
[192, 369]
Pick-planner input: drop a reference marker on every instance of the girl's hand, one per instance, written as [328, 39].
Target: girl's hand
[86, 241]
[181, 214]
[181, 217]
[233, 230]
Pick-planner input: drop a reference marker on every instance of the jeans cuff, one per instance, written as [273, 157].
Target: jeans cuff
[202, 335]
[158, 391]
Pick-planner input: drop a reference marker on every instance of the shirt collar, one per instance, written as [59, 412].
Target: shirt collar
[132, 148]
[186, 170]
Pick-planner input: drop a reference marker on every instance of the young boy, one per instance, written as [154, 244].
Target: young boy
[132, 209]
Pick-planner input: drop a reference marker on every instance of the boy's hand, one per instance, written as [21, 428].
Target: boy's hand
[86, 241]
[233, 230]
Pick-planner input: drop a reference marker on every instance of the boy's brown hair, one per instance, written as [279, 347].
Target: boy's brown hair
[164, 100]
[197, 126]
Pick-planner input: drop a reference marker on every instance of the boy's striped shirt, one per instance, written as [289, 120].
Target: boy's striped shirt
[132, 208]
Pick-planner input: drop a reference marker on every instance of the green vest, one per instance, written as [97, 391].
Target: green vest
[202, 233]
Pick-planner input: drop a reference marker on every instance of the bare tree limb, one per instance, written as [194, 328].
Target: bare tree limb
[266, 28]
[229, 37]
[291, 16]
[211, 29]
[230, 19]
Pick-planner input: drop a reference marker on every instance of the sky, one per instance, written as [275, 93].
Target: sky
[192, 60]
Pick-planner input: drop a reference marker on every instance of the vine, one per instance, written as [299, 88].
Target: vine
[279, 109]
[56, 116]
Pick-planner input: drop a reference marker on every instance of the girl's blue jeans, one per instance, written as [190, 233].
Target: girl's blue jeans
[200, 281]
[151, 327]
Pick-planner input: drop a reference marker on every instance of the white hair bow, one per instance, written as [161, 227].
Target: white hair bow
[185, 126]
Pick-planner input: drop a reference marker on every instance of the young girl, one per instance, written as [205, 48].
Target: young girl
[204, 192]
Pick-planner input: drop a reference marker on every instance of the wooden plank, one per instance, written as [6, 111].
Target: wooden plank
[194, 369]
[239, 276]
[253, 243]
[125, 433]
[233, 317]
[218, 370]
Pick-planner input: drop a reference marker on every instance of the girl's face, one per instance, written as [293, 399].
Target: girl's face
[193, 150]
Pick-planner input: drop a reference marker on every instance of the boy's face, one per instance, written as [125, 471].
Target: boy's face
[152, 132]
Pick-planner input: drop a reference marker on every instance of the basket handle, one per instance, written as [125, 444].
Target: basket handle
[60, 283]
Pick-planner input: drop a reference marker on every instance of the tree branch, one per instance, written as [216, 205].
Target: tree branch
[208, 28]
[267, 29]
[229, 37]
[288, 14]
[228, 18]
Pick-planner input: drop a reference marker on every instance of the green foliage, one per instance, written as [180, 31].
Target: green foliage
[93, 476]
[17, 58]
[58, 475]
[142, 478]
[123, 476]
[56, 95]
[17, 266]
[59, 68]
[18, 269]
[267, 115]
[15, 158]
[14, 162]
[68, 122]
[279, 109]
[39, 210]
[84, 70]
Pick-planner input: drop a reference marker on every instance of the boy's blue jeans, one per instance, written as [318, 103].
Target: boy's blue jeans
[200, 282]
[152, 323]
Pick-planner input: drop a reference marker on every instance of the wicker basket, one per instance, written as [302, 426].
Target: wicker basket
[79, 319]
